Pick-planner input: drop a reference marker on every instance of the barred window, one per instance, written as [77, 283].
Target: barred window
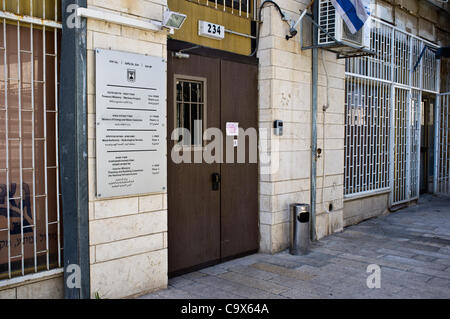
[367, 135]
[382, 105]
[30, 210]
[236, 7]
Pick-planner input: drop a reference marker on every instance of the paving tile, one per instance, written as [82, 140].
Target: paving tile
[291, 273]
[213, 271]
[194, 275]
[252, 272]
[439, 282]
[179, 282]
[424, 258]
[254, 283]
[209, 292]
[237, 288]
[388, 251]
[411, 246]
[292, 283]
[414, 262]
[174, 293]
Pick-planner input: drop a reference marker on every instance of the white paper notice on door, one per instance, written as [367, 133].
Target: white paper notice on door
[232, 129]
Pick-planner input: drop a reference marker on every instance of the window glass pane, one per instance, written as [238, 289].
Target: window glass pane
[189, 110]
[186, 93]
[179, 91]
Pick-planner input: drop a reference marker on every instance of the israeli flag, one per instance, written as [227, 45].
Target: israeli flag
[354, 12]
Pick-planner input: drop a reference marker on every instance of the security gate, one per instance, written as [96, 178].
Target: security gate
[406, 139]
[401, 164]
[383, 114]
[442, 169]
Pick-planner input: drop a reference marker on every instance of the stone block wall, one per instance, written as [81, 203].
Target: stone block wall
[128, 236]
[39, 286]
[360, 209]
[285, 94]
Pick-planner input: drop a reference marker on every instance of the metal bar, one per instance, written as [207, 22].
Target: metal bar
[5, 59]
[33, 141]
[31, 20]
[58, 195]
[44, 69]
[447, 142]
[367, 193]
[408, 143]
[240, 34]
[436, 128]
[19, 72]
[419, 142]
[248, 9]
[314, 92]
[392, 120]
[403, 31]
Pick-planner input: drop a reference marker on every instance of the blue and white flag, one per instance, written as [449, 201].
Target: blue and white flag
[354, 12]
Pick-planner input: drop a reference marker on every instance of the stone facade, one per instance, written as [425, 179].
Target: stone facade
[360, 209]
[285, 94]
[40, 286]
[128, 236]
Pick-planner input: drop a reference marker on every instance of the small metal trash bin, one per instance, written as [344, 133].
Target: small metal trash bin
[300, 229]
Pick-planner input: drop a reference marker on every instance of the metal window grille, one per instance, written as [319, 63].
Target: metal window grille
[378, 66]
[416, 98]
[429, 71]
[242, 8]
[190, 108]
[402, 56]
[367, 135]
[388, 82]
[30, 210]
[417, 47]
[443, 179]
[400, 163]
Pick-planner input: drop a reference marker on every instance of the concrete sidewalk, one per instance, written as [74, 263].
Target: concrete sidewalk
[411, 246]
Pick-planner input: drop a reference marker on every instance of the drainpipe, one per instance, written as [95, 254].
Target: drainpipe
[314, 80]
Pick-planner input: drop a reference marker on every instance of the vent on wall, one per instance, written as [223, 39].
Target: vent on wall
[327, 20]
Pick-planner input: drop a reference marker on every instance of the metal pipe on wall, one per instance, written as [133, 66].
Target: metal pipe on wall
[73, 152]
[314, 80]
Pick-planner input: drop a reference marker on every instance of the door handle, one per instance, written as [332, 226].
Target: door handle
[216, 181]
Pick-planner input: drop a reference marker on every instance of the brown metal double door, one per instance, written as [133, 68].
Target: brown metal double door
[212, 207]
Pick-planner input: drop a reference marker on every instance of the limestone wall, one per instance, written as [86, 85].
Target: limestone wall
[128, 236]
[285, 94]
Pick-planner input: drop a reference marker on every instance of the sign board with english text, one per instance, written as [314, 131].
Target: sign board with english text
[130, 124]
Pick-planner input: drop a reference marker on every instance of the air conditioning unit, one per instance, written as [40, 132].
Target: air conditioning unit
[331, 21]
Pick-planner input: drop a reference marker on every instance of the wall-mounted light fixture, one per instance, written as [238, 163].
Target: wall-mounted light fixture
[173, 20]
